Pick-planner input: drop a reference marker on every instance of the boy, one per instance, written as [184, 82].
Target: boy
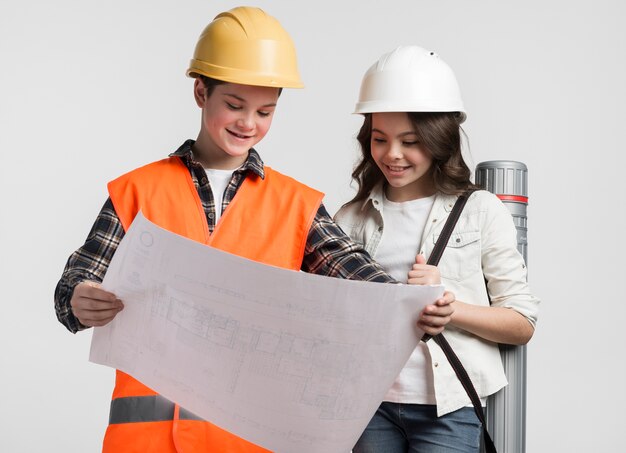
[242, 61]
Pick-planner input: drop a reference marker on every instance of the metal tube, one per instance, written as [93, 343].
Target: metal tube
[506, 410]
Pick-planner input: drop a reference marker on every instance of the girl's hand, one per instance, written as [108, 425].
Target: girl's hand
[423, 274]
[94, 306]
[434, 318]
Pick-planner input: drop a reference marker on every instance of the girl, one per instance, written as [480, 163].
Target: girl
[410, 174]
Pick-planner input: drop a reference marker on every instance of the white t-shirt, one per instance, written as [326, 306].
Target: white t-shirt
[219, 180]
[400, 243]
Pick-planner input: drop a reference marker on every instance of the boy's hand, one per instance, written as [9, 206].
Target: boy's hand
[94, 306]
[423, 274]
[434, 317]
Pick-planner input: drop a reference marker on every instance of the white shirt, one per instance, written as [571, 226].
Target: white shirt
[400, 242]
[402, 237]
[218, 179]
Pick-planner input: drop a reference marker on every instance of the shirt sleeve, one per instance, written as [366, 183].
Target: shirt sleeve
[330, 252]
[90, 262]
[503, 266]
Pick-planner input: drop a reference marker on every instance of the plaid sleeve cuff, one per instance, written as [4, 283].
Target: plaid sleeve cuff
[62, 297]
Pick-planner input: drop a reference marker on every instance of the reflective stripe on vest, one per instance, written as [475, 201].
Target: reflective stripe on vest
[267, 221]
[153, 408]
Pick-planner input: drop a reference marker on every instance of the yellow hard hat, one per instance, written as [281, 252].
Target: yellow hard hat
[247, 46]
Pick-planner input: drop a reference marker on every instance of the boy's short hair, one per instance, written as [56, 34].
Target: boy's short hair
[210, 84]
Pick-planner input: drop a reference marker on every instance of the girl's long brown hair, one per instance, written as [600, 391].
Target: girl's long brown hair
[438, 134]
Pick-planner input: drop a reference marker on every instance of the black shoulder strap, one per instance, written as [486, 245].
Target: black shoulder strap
[456, 364]
[446, 232]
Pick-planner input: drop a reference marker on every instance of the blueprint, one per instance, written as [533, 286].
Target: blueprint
[290, 361]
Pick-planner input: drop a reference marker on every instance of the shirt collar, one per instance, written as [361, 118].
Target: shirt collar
[253, 161]
[375, 197]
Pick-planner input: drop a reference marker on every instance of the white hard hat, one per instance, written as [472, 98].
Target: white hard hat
[409, 79]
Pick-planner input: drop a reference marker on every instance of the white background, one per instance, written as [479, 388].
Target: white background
[92, 89]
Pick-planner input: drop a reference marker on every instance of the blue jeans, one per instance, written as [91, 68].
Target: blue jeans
[401, 428]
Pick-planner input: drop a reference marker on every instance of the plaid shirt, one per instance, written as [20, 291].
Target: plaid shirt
[328, 250]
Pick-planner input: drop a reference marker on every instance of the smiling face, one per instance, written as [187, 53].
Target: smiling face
[234, 119]
[397, 152]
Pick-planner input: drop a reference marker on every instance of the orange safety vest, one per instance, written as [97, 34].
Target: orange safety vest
[267, 221]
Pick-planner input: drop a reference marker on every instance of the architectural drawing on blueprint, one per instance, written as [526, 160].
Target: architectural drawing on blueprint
[287, 360]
